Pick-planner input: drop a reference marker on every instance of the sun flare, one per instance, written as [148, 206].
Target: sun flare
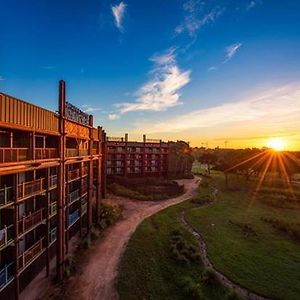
[277, 144]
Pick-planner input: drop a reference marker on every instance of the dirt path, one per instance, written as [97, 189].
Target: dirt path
[208, 264]
[96, 279]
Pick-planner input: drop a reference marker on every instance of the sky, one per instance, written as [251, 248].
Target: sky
[209, 72]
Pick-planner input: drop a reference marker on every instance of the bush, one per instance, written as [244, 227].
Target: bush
[109, 214]
[191, 288]
[209, 277]
[233, 295]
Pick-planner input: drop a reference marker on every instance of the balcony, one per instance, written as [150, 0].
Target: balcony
[31, 188]
[30, 221]
[30, 254]
[6, 235]
[6, 195]
[73, 174]
[52, 209]
[73, 217]
[85, 171]
[8, 155]
[46, 153]
[94, 151]
[84, 206]
[76, 152]
[6, 275]
[52, 235]
[52, 181]
[73, 196]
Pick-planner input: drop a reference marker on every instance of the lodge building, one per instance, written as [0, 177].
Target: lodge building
[52, 171]
[132, 158]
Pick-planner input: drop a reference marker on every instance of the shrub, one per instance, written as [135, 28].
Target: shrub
[191, 288]
[109, 214]
[209, 277]
[233, 295]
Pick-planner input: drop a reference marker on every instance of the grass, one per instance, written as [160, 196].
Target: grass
[266, 261]
[161, 262]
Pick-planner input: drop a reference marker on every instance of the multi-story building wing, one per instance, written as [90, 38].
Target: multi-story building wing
[131, 158]
[52, 170]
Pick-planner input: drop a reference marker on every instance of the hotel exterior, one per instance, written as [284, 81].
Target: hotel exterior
[52, 173]
[131, 158]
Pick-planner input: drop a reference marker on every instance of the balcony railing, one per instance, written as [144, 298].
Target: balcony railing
[6, 274]
[74, 196]
[73, 217]
[6, 195]
[84, 186]
[46, 153]
[73, 174]
[76, 152]
[8, 155]
[30, 221]
[94, 151]
[53, 181]
[85, 171]
[31, 253]
[53, 208]
[83, 208]
[6, 235]
[30, 188]
[53, 235]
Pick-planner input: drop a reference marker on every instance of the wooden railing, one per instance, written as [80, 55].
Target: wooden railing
[30, 188]
[14, 154]
[83, 208]
[6, 235]
[6, 195]
[74, 196]
[53, 208]
[73, 217]
[52, 181]
[84, 186]
[73, 174]
[32, 252]
[6, 274]
[85, 171]
[29, 221]
[94, 151]
[45, 153]
[76, 152]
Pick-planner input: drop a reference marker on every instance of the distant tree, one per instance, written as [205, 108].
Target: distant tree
[209, 159]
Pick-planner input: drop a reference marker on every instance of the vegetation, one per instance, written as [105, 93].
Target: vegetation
[163, 261]
[147, 189]
[242, 244]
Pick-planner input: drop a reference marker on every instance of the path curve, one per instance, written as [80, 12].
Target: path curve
[97, 277]
[247, 294]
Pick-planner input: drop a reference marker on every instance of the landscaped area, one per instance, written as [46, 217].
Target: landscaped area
[252, 238]
[147, 188]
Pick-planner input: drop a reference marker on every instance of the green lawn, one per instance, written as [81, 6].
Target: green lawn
[268, 262]
[241, 245]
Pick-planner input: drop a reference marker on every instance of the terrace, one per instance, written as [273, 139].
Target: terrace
[6, 195]
[8, 155]
[6, 235]
[30, 221]
[31, 188]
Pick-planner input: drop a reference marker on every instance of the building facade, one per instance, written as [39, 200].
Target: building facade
[52, 173]
[131, 158]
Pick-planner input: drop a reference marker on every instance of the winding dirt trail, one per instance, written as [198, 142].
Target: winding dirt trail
[97, 276]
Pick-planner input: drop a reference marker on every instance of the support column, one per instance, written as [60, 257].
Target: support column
[16, 254]
[90, 180]
[103, 161]
[60, 255]
[47, 223]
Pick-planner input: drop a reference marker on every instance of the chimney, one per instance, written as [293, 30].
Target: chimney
[126, 137]
[144, 138]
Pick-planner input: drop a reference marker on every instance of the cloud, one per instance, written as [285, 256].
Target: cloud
[118, 12]
[162, 91]
[113, 117]
[273, 111]
[253, 3]
[48, 67]
[195, 19]
[1, 78]
[89, 109]
[231, 51]
[212, 68]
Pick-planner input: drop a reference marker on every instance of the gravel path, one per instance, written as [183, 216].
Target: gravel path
[96, 278]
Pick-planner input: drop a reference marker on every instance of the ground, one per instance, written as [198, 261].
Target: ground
[96, 278]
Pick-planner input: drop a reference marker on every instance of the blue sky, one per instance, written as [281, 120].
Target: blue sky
[203, 71]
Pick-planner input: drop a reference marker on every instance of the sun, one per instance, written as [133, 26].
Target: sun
[277, 144]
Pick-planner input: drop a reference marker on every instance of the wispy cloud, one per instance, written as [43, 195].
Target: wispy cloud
[48, 67]
[89, 109]
[1, 78]
[274, 110]
[195, 17]
[231, 51]
[253, 3]
[113, 116]
[118, 12]
[212, 68]
[162, 90]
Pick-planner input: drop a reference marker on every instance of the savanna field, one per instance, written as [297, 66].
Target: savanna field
[252, 237]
